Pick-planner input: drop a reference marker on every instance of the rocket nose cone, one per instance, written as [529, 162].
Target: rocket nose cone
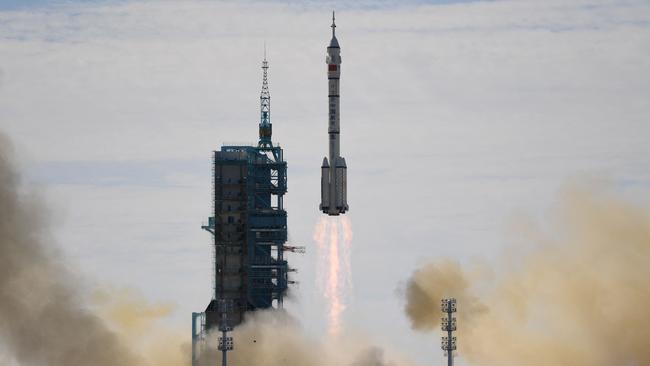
[325, 163]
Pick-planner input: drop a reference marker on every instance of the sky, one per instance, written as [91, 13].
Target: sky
[456, 116]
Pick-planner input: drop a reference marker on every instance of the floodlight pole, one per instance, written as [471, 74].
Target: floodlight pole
[224, 350]
[225, 342]
[450, 357]
[448, 324]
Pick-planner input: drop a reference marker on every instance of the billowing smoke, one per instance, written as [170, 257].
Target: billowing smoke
[274, 338]
[431, 283]
[44, 318]
[579, 297]
[372, 357]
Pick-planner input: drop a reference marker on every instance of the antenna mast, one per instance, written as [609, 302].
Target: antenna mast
[266, 129]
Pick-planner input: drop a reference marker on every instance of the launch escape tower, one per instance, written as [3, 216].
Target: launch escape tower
[249, 227]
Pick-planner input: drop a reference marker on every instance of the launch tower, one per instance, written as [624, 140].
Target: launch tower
[249, 228]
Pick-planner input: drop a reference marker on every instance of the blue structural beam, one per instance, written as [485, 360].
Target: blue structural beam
[250, 229]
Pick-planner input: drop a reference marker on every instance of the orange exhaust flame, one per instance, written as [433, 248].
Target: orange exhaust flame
[346, 225]
[333, 237]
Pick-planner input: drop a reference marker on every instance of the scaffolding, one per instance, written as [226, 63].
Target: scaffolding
[249, 228]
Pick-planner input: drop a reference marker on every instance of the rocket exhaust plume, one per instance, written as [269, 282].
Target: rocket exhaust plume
[333, 236]
[346, 228]
[44, 319]
[332, 289]
[579, 297]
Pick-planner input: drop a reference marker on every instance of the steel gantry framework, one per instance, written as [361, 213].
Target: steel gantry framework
[249, 227]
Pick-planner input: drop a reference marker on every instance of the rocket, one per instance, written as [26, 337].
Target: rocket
[334, 189]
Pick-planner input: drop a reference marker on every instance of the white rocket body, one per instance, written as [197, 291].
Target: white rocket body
[334, 172]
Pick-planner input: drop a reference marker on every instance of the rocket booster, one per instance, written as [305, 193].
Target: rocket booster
[334, 170]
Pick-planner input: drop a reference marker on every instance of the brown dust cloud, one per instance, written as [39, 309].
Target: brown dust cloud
[47, 320]
[578, 294]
